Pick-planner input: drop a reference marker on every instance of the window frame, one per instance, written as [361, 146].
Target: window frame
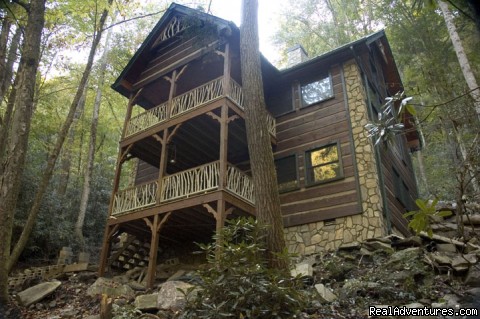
[308, 167]
[301, 84]
[297, 179]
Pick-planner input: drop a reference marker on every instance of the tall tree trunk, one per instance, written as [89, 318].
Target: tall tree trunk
[52, 158]
[91, 148]
[267, 200]
[14, 160]
[5, 123]
[462, 56]
[66, 162]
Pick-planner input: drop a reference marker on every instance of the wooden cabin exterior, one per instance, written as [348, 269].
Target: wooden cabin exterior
[185, 127]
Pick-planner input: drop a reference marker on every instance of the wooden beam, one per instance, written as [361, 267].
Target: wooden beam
[211, 210]
[169, 137]
[152, 258]
[163, 164]
[214, 116]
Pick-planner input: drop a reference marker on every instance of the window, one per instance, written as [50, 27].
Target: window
[401, 190]
[316, 91]
[286, 173]
[323, 164]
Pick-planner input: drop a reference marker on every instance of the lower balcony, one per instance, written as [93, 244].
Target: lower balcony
[189, 183]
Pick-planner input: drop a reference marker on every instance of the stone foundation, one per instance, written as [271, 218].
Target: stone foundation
[319, 236]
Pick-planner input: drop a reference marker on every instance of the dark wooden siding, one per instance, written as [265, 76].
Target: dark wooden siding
[396, 157]
[306, 128]
[145, 173]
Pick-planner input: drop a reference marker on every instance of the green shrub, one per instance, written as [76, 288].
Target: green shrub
[238, 283]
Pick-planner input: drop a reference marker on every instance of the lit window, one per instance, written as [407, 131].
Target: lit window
[316, 91]
[323, 164]
[286, 173]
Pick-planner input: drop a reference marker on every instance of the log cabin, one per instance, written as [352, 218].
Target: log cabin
[185, 133]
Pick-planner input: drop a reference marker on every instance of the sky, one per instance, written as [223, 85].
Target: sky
[268, 16]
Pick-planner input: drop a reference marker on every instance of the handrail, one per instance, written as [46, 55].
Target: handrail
[146, 119]
[197, 97]
[240, 183]
[196, 180]
[134, 198]
[189, 101]
[236, 93]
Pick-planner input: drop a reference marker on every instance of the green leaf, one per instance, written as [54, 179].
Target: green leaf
[411, 109]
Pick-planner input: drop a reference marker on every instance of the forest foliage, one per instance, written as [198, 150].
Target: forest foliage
[417, 34]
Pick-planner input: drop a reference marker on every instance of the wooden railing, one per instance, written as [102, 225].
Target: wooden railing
[197, 97]
[240, 183]
[194, 181]
[197, 180]
[146, 119]
[189, 101]
[134, 198]
[236, 93]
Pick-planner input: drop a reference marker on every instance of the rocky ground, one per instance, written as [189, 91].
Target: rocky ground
[392, 271]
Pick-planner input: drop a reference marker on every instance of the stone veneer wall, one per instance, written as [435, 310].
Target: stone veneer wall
[316, 237]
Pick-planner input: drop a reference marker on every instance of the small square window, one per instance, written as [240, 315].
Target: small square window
[286, 173]
[323, 164]
[316, 91]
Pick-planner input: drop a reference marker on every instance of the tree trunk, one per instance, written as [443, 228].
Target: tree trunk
[267, 200]
[5, 123]
[14, 160]
[66, 162]
[52, 158]
[91, 149]
[462, 56]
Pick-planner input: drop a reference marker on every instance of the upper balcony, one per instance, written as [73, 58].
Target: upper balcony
[189, 101]
[182, 185]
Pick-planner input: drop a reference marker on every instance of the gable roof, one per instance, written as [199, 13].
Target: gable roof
[153, 38]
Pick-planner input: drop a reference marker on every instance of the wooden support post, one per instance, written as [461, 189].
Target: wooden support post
[152, 259]
[226, 70]
[155, 228]
[219, 225]
[107, 238]
[163, 164]
[128, 115]
[223, 148]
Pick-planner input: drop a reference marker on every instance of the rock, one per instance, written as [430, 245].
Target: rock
[462, 263]
[52, 304]
[111, 288]
[137, 286]
[176, 275]
[325, 293]
[451, 248]
[37, 293]
[473, 277]
[120, 301]
[413, 241]
[350, 246]
[303, 269]
[378, 245]
[147, 302]
[86, 276]
[75, 267]
[170, 298]
[405, 254]
[39, 306]
[93, 317]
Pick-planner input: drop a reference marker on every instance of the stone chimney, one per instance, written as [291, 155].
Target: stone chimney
[296, 55]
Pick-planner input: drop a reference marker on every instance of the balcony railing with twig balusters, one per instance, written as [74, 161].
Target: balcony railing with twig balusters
[187, 102]
[192, 182]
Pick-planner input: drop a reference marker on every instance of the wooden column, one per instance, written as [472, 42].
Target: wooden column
[173, 87]
[155, 228]
[152, 258]
[220, 215]
[107, 238]
[163, 164]
[128, 115]
[223, 148]
[226, 69]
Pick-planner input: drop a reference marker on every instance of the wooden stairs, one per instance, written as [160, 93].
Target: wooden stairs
[128, 252]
